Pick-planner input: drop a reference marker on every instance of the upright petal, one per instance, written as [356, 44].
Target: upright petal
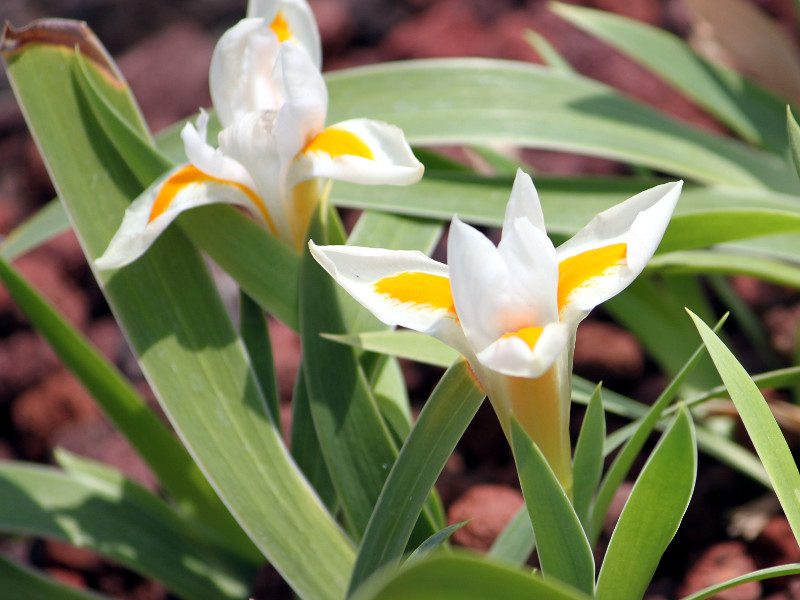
[302, 115]
[399, 287]
[291, 20]
[251, 142]
[610, 252]
[359, 151]
[150, 214]
[524, 202]
[240, 77]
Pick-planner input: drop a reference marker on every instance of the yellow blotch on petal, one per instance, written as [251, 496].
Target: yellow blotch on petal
[338, 142]
[529, 335]
[579, 270]
[424, 290]
[281, 27]
[191, 175]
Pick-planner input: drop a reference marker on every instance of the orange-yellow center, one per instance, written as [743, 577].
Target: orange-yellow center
[281, 27]
[338, 142]
[579, 270]
[189, 175]
[529, 335]
[422, 289]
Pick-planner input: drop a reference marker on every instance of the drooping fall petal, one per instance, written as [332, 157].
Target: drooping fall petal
[159, 205]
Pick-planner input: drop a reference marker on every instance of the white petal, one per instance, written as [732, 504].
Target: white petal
[207, 158]
[636, 226]
[399, 287]
[524, 202]
[530, 258]
[359, 151]
[251, 142]
[159, 205]
[241, 74]
[479, 281]
[300, 23]
[511, 355]
[302, 115]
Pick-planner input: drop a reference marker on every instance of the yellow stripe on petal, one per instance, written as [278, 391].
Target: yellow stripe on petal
[338, 142]
[578, 271]
[281, 27]
[529, 335]
[423, 290]
[191, 175]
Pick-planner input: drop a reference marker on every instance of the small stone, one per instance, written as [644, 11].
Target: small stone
[488, 508]
[605, 352]
[721, 562]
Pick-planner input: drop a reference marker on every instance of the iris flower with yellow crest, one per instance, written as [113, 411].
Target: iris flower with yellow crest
[274, 151]
[512, 310]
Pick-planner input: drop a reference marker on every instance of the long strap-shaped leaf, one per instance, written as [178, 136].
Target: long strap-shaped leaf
[444, 101]
[119, 520]
[750, 111]
[20, 583]
[440, 425]
[651, 515]
[175, 321]
[760, 423]
[464, 577]
[561, 542]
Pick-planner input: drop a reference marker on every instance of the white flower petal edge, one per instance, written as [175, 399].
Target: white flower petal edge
[208, 159]
[359, 151]
[298, 23]
[604, 257]
[240, 75]
[403, 288]
[160, 204]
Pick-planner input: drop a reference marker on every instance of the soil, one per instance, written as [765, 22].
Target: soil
[729, 530]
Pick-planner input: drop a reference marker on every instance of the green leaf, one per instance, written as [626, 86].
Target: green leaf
[464, 577]
[170, 462]
[760, 575]
[254, 331]
[404, 344]
[757, 418]
[651, 515]
[750, 111]
[47, 223]
[434, 542]
[356, 444]
[588, 458]
[176, 323]
[561, 543]
[440, 425]
[643, 428]
[444, 102]
[549, 54]
[794, 138]
[119, 520]
[516, 542]
[20, 583]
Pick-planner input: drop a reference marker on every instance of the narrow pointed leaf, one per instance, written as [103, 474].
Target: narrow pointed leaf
[121, 521]
[749, 110]
[764, 432]
[760, 575]
[794, 139]
[561, 543]
[20, 583]
[588, 458]
[440, 425]
[651, 515]
[48, 222]
[464, 577]
[255, 335]
[516, 542]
